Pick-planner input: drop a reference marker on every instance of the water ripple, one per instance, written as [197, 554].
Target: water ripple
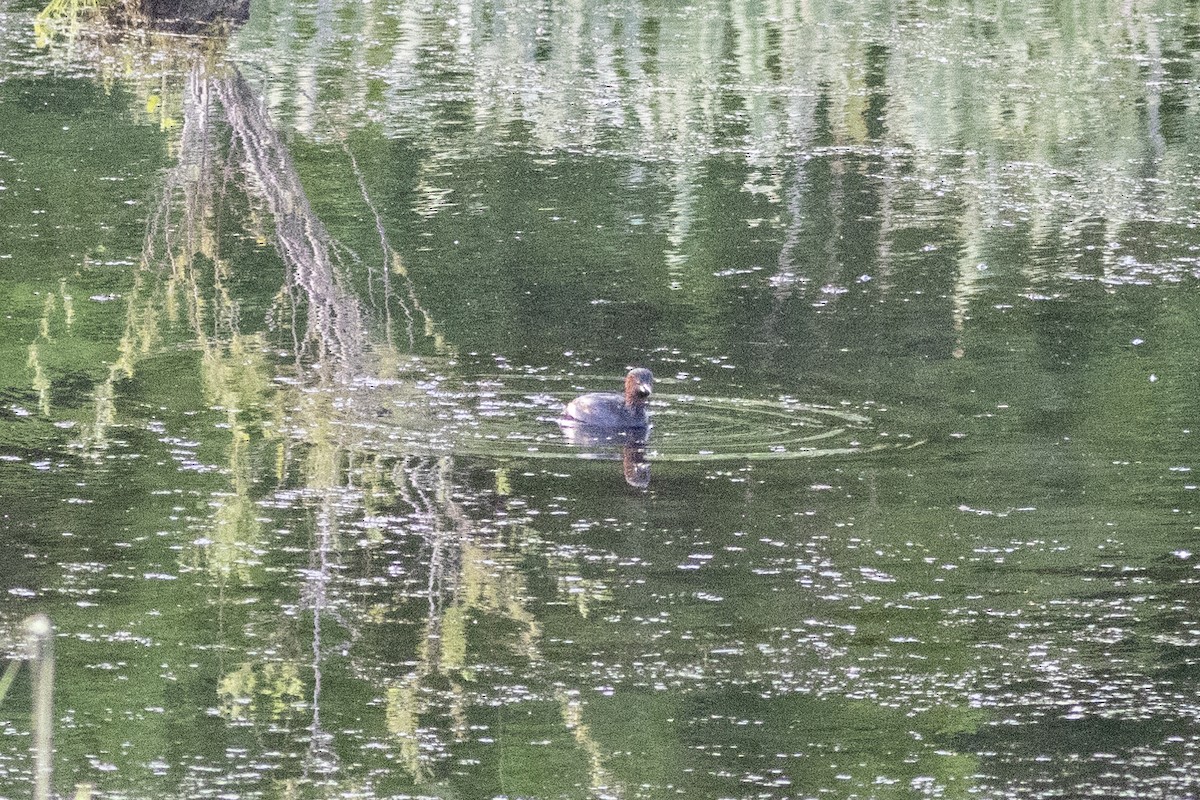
[489, 418]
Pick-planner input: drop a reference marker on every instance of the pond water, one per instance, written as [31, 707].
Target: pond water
[290, 315]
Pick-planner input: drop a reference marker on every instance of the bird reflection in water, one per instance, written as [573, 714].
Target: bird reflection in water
[635, 465]
[629, 445]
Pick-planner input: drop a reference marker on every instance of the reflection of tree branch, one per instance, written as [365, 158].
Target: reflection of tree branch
[334, 317]
[392, 264]
[389, 254]
[322, 757]
[468, 575]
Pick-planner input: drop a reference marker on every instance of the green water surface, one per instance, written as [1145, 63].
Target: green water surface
[288, 317]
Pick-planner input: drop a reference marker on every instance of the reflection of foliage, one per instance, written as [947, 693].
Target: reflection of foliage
[661, 81]
[469, 594]
[272, 689]
[40, 381]
[1069, 123]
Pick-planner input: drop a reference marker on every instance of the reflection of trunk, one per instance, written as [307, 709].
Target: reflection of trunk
[335, 317]
[334, 314]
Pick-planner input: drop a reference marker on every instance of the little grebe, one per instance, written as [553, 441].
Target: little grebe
[611, 411]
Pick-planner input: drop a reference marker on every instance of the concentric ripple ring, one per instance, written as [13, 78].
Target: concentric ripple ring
[492, 418]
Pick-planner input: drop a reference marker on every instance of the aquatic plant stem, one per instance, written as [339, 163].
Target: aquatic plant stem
[39, 641]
